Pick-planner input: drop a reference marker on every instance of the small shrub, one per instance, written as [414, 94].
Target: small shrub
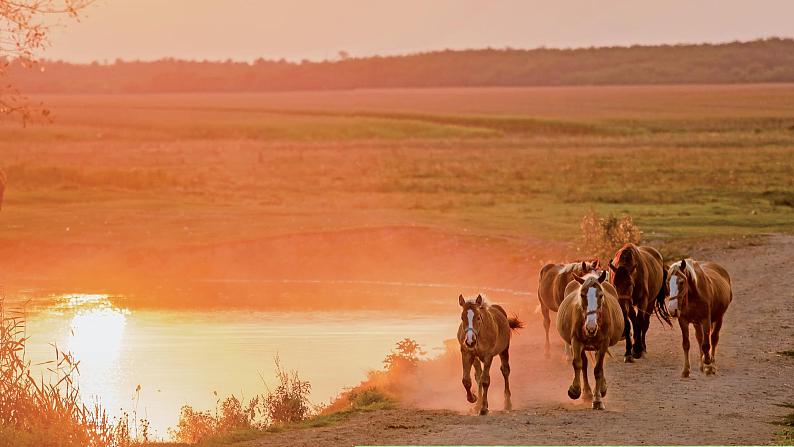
[368, 398]
[405, 356]
[289, 401]
[194, 426]
[236, 419]
[603, 236]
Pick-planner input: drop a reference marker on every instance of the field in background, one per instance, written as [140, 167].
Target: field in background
[140, 178]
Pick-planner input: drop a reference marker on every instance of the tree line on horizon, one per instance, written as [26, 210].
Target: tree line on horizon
[765, 60]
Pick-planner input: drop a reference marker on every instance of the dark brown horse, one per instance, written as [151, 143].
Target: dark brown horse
[590, 319]
[551, 288]
[484, 333]
[638, 276]
[699, 293]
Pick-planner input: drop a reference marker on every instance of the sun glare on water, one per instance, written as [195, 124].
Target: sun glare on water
[96, 334]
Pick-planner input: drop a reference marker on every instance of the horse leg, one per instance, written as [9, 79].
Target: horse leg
[684, 344]
[468, 359]
[626, 331]
[546, 325]
[646, 325]
[699, 336]
[504, 357]
[715, 338]
[575, 390]
[478, 377]
[485, 381]
[601, 385]
[708, 368]
[587, 393]
[638, 324]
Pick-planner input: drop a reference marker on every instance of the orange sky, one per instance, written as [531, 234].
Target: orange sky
[297, 29]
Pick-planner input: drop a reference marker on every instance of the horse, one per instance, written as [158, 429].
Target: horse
[484, 332]
[699, 293]
[590, 319]
[551, 288]
[638, 275]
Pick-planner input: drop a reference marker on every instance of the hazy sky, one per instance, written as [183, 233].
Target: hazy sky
[318, 29]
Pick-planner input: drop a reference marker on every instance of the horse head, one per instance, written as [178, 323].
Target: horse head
[677, 287]
[623, 279]
[591, 294]
[471, 318]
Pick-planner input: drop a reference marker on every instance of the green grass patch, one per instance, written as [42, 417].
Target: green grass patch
[786, 433]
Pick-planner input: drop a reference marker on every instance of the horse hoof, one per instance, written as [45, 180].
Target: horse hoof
[627, 359]
[471, 398]
[637, 354]
[598, 405]
[710, 370]
[483, 411]
[574, 393]
[685, 374]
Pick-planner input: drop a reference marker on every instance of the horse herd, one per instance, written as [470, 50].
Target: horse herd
[596, 308]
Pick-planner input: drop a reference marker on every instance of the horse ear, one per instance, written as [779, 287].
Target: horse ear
[683, 265]
[612, 266]
[479, 300]
[595, 264]
[603, 276]
[578, 278]
[584, 267]
[461, 300]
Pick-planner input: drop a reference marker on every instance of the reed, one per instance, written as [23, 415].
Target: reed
[48, 413]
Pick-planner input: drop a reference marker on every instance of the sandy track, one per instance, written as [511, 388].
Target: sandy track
[648, 402]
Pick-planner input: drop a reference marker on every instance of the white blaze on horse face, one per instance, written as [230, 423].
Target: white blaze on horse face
[592, 306]
[470, 332]
[673, 286]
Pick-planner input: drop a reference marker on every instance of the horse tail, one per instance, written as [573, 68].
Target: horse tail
[659, 309]
[515, 323]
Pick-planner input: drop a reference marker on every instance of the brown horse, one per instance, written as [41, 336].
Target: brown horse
[484, 332]
[699, 293]
[551, 288]
[590, 319]
[638, 276]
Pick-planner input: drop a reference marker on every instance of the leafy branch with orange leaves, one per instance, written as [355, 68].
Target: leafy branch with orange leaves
[24, 32]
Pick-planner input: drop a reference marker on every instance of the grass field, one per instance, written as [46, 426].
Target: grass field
[688, 163]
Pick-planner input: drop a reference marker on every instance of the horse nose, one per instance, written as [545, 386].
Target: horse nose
[591, 329]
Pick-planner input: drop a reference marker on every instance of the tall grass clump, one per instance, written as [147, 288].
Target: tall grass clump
[38, 413]
[234, 418]
[601, 237]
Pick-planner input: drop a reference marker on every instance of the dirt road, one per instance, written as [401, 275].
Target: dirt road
[648, 402]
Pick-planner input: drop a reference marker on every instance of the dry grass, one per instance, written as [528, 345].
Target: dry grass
[153, 174]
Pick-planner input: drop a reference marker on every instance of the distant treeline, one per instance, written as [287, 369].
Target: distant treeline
[767, 60]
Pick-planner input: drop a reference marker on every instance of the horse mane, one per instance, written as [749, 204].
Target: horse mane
[689, 266]
[590, 280]
[568, 267]
[626, 254]
[485, 303]
[572, 265]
